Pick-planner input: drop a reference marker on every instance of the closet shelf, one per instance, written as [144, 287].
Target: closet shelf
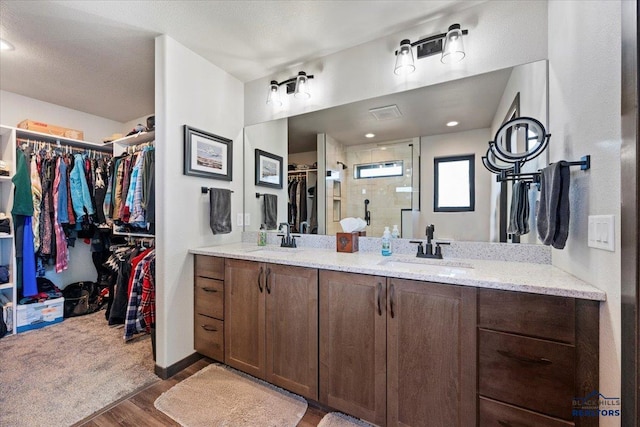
[138, 138]
[5, 178]
[54, 139]
[6, 236]
[125, 234]
[6, 285]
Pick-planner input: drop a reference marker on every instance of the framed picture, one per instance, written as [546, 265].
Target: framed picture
[207, 155]
[268, 169]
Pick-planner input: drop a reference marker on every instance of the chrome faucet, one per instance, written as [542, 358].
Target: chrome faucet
[427, 250]
[288, 241]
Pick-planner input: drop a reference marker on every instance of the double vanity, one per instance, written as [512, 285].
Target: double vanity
[402, 340]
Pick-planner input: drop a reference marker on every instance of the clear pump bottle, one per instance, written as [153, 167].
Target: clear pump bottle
[386, 242]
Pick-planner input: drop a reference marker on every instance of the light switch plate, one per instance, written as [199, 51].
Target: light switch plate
[240, 219]
[601, 233]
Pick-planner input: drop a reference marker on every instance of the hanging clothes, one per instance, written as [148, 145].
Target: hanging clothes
[62, 256]
[81, 197]
[36, 194]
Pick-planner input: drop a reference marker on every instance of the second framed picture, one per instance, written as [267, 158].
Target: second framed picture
[268, 169]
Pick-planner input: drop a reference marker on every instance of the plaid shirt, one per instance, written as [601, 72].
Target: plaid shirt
[134, 322]
[148, 301]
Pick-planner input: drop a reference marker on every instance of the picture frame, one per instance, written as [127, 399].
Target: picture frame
[207, 155]
[268, 169]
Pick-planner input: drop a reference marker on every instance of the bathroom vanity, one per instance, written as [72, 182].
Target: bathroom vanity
[399, 341]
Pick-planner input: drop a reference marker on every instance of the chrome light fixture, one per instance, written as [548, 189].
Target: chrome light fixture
[449, 44]
[298, 85]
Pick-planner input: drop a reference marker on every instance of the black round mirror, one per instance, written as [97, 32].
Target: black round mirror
[522, 138]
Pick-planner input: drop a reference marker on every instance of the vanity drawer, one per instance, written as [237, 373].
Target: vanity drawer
[209, 266]
[540, 316]
[209, 337]
[528, 372]
[209, 297]
[496, 414]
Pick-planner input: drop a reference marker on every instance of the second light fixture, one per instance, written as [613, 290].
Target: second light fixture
[449, 43]
[298, 85]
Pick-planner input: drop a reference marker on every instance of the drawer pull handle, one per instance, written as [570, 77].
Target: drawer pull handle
[260, 280]
[208, 289]
[538, 361]
[209, 328]
[392, 293]
[266, 281]
[379, 296]
[504, 423]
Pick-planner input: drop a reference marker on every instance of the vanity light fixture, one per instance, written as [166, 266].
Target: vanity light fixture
[449, 44]
[5, 45]
[298, 85]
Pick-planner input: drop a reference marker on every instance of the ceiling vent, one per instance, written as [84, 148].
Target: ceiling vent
[386, 113]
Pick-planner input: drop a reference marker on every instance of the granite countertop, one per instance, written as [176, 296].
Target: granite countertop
[505, 275]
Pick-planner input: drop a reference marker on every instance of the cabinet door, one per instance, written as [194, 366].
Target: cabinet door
[431, 343]
[244, 316]
[292, 328]
[353, 344]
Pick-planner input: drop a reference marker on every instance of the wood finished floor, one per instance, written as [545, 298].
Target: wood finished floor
[137, 410]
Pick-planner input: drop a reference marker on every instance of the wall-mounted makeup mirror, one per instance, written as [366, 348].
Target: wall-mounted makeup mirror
[318, 146]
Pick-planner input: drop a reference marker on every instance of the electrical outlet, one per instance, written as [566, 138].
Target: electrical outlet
[601, 233]
[247, 219]
[240, 220]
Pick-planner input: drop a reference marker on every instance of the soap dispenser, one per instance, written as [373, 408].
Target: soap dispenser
[395, 234]
[386, 242]
[262, 236]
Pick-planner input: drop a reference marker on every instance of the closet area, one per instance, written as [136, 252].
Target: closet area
[302, 205]
[77, 230]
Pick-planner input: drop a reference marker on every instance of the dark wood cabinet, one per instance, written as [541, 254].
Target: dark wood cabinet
[271, 325]
[431, 366]
[244, 311]
[536, 355]
[353, 344]
[208, 298]
[398, 352]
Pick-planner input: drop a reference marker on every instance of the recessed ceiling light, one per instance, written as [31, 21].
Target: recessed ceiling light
[453, 123]
[370, 135]
[5, 45]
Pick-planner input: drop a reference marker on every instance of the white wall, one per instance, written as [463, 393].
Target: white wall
[271, 137]
[456, 225]
[13, 109]
[584, 99]
[501, 34]
[192, 91]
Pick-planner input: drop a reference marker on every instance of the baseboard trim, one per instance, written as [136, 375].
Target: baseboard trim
[170, 371]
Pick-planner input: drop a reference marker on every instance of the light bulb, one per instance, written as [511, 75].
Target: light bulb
[302, 86]
[273, 97]
[453, 49]
[404, 59]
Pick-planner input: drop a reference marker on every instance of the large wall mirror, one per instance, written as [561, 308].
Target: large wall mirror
[336, 170]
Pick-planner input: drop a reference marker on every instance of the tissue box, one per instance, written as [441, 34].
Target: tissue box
[347, 242]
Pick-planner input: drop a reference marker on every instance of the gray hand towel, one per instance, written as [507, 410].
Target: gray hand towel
[220, 210]
[270, 211]
[552, 218]
[519, 213]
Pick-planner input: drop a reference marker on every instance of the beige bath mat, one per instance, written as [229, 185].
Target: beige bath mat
[337, 419]
[220, 396]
